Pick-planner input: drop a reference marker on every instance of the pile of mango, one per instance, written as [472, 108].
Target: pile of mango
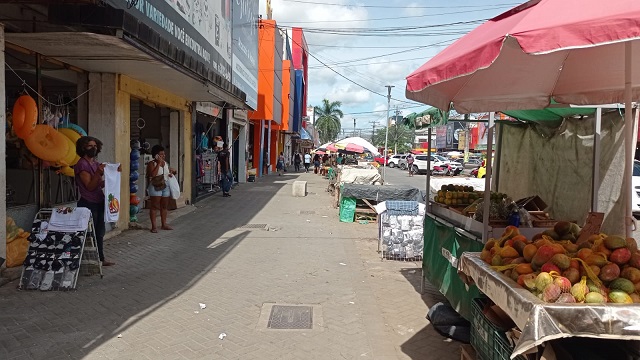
[558, 268]
[457, 195]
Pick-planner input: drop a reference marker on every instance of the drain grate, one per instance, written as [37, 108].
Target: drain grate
[291, 317]
[254, 226]
[307, 212]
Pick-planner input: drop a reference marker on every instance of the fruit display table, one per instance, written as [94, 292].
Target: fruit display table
[541, 321]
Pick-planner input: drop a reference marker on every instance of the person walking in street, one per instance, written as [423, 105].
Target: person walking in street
[280, 164]
[316, 163]
[409, 160]
[307, 161]
[297, 159]
[158, 173]
[224, 169]
[88, 176]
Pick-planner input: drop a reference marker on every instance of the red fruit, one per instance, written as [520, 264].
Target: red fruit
[620, 256]
[549, 267]
[575, 264]
[563, 283]
[635, 260]
[609, 272]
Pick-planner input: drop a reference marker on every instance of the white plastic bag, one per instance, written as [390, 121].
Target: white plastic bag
[174, 187]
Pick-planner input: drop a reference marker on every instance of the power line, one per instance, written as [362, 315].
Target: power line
[396, 7]
[387, 29]
[395, 18]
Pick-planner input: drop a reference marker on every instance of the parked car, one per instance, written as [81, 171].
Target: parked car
[398, 160]
[635, 182]
[438, 167]
[473, 163]
[381, 160]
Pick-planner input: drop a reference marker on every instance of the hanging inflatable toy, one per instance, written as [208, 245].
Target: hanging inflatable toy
[74, 127]
[66, 170]
[71, 155]
[25, 116]
[73, 136]
[47, 144]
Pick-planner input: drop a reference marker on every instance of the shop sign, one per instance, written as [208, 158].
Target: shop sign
[245, 49]
[240, 114]
[441, 137]
[200, 28]
[209, 109]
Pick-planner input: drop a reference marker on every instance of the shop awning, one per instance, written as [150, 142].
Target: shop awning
[548, 114]
[304, 135]
[430, 117]
[105, 53]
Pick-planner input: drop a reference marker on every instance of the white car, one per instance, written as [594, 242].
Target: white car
[635, 183]
[398, 160]
[420, 163]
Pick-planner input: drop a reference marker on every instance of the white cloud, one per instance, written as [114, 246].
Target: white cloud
[412, 9]
[387, 70]
[322, 76]
[348, 94]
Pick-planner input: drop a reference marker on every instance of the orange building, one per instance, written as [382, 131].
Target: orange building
[271, 119]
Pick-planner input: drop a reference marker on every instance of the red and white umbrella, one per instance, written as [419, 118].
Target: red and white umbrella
[572, 51]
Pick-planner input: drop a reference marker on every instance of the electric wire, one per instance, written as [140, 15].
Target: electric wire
[397, 7]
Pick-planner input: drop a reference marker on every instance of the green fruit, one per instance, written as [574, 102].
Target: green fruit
[562, 227]
[620, 297]
[614, 242]
[622, 284]
[594, 298]
[552, 234]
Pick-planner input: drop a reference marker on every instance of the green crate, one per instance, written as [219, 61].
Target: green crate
[489, 342]
[483, 331]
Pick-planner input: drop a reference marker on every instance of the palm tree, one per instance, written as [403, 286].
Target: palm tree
[328, 122]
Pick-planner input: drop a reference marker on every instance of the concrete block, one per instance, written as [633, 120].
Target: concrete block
[299, 189]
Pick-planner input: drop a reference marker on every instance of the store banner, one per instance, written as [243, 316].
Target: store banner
[245, 48]
[441, 137]
[201, 28]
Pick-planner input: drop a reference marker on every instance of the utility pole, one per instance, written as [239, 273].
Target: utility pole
[373, 134]
[466, 138]
[354, 127]
[386, 136]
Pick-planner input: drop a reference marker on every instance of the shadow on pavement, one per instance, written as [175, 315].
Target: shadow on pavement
[151, 270]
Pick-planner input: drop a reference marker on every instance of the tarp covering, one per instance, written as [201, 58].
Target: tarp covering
[548, 114]
[380, 193]
[353, 175]
[443, 246]
[559, 168]
[430, 117]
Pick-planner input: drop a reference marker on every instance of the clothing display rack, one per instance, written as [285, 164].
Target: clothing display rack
[55, 258]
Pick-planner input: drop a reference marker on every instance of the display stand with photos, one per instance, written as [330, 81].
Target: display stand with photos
[56, 257]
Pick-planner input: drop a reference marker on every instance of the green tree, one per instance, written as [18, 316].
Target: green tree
[400, 138]
[328, 120]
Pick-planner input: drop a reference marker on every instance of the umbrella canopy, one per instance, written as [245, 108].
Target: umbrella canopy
[357, 142]
[538, 51]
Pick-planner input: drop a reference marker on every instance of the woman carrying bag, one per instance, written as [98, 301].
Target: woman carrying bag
[158, 174]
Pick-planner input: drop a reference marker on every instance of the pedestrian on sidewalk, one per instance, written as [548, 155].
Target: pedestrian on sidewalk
[158, 173]
[88, 176]
[297, 159]
[224, 169]
[316, 163]
[280, 164]
[307, 161]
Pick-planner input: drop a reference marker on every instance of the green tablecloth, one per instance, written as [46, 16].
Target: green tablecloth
[443, 246]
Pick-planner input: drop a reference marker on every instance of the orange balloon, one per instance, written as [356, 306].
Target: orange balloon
[47, 144]
[25, 116]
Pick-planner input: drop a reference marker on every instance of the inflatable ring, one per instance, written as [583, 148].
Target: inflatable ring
[25, 116]
[68, 171]
[75, 128]
[71, 155]
[69, 133]
[47, 144]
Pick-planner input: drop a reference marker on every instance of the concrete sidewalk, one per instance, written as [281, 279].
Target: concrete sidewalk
[220, 255]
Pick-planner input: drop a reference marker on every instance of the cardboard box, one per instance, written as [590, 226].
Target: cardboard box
[532, 203]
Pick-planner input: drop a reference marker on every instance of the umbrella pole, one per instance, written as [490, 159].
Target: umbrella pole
[595, 174]
[487, 180]
[629, 222]
[428, 179]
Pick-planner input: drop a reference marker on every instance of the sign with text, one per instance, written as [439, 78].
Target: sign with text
[201, 28]
[245, 49]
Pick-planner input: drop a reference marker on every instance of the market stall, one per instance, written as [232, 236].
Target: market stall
[539, 63]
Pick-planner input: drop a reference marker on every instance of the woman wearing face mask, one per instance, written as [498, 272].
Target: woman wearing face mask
[88, 175]
[158, 172]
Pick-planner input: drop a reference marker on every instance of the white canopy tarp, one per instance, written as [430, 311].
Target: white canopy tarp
[359, 141]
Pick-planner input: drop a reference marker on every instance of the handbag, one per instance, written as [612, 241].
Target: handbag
[158, 182]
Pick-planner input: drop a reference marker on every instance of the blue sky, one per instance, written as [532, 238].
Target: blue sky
[368, 61]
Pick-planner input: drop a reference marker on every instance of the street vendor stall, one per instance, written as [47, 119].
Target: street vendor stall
[539, 58]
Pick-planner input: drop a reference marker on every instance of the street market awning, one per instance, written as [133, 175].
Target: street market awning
[430, 117]
[548, 114]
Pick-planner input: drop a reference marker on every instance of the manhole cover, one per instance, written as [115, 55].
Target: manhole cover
[290, 317]
[253, 226]
[307, 212]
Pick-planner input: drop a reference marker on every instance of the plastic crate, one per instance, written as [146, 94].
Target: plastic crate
[489, 342]
[483, 331]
